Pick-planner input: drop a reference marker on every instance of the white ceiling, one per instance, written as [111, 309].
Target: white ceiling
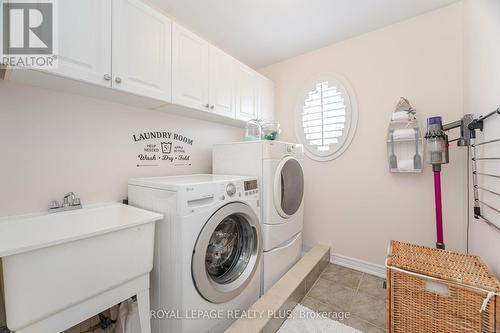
[263, 32]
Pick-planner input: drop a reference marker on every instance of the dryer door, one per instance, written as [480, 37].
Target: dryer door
[288, 187]
[227, 253]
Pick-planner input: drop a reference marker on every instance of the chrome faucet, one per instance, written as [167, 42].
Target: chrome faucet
[70, 202]
[69, 199]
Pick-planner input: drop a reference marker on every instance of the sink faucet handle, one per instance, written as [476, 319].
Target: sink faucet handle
[68, 199]
[70, 202]
[54, 204]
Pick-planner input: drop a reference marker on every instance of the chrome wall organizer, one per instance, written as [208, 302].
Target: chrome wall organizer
[404, 140]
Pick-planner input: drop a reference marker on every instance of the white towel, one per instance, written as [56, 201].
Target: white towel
[400, 115]
[128, 317]
[406, 165]
[404, 134]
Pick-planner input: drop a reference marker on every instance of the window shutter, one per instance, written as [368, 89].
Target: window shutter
[324, 117]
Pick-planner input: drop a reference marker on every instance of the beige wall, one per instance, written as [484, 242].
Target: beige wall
[482, 94]
[353, 203]
[52, 143]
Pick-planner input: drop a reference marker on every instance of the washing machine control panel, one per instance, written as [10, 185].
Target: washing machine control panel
[247, 189]
[230, 189]
[251, 187]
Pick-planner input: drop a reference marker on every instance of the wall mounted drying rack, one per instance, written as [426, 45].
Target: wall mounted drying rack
[486, 174]
[479, 124]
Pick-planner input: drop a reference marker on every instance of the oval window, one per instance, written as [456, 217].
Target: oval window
[327, 119]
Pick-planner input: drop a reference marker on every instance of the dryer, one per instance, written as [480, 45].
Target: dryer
[278, 166]
[208, 249]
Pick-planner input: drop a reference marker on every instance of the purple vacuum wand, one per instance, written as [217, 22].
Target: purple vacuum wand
[437, 152]
[439, 210]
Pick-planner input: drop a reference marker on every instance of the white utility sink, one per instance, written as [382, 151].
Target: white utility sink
[60, 269]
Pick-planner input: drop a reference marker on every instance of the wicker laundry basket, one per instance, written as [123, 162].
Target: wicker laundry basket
[436, 291]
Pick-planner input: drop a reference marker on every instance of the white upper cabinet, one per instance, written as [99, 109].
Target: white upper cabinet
[222, 83]
[85, 41]
[203, 76]
[134, 54]
[190, 69]
[247, 96]
[266, 100]
[141, 50]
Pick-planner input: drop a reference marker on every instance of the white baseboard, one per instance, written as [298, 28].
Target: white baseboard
[359, 265]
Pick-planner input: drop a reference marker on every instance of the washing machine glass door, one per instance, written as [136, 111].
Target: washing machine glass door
[288, 187]
[227, 253]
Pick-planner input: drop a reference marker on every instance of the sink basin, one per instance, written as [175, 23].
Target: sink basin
[60, 269]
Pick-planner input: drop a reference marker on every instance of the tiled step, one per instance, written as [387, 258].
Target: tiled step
[271, 310]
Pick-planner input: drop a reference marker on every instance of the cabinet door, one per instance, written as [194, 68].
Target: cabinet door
[190, 69]
[266, 100]
[141, 50]
[221, 83]
[85, 41]
[247, 96]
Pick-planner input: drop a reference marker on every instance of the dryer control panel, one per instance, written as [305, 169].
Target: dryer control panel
[276, 150]
[294, 150]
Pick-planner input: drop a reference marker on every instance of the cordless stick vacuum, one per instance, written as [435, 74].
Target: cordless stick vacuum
[437, 152]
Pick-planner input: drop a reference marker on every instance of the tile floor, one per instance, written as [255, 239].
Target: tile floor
[337, 291]
[342, 290]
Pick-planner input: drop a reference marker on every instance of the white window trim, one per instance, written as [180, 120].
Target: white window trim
[351, 112]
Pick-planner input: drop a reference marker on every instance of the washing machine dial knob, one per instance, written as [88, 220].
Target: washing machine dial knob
[230, 189]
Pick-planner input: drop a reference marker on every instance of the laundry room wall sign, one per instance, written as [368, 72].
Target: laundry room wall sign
[157, 148]
[99, 144]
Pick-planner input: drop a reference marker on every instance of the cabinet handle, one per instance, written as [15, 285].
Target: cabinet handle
[212, 107]
[118, 80]
[207, 105]
[107, 77]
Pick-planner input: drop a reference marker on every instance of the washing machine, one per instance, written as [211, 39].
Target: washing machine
[207, 263]
[278, 167]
